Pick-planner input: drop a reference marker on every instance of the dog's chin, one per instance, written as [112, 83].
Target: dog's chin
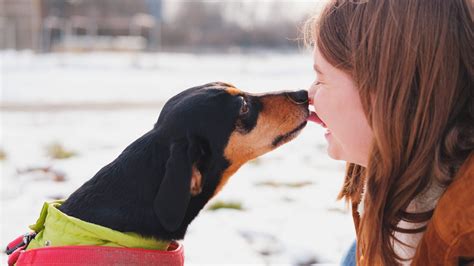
[287, 137]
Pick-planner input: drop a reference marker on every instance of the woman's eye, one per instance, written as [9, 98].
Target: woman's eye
[245, 107]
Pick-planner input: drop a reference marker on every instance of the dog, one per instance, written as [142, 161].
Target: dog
[161, 181]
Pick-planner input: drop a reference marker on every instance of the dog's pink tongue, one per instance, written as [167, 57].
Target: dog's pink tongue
[313, 117]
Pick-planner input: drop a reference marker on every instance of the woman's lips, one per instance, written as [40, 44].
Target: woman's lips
[313, 117]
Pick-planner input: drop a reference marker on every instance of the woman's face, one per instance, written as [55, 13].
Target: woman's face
[337, 107]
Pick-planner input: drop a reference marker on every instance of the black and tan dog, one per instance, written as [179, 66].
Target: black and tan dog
[160, 182]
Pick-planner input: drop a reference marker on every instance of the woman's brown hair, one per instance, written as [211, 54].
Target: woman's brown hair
[412, 62]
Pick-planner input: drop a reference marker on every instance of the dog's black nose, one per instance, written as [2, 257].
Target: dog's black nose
[299, 97]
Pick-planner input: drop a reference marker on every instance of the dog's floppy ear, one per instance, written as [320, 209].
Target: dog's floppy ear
[172, 199]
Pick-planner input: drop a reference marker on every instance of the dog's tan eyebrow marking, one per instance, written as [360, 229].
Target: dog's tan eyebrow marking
[233, 91]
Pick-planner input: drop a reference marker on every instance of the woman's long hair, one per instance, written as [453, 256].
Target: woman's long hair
[412, 62]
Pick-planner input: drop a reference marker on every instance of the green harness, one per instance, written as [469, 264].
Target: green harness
[55, 228]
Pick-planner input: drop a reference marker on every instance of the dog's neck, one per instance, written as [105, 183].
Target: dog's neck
[120, 196]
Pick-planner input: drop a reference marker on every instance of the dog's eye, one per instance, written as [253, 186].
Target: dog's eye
[245, 107]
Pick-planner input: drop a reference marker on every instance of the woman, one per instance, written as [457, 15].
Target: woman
[394, 87]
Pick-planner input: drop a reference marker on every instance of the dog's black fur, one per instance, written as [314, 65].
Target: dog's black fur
[146, 189]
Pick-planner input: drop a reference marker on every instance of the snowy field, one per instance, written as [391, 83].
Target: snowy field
[96, 104]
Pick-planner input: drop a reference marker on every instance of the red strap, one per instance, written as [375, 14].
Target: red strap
[96, 255]
[15, 243]
[12, 258]
[15, 247]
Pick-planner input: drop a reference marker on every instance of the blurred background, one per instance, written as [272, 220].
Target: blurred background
[150, 25]
[82, 79]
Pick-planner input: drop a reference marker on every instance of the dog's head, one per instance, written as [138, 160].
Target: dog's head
[210, 131]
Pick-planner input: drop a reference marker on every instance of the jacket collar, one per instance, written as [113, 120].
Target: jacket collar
[54, 228]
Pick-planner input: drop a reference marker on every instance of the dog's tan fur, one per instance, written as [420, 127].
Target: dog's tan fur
[276, 108]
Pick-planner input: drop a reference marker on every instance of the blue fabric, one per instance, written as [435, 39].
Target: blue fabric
[350, 257]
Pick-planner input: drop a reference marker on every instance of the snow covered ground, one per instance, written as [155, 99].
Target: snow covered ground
[96, 104]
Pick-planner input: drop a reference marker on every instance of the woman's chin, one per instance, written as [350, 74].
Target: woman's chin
[334, 153]
[335, 150]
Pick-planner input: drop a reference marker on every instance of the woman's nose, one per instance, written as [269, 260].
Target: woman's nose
[311, 93]
[298, 97]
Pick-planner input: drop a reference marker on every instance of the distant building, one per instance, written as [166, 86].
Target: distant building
[51, 25]
[18, 24]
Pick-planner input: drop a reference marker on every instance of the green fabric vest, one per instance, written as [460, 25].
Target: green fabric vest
[55, 228]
